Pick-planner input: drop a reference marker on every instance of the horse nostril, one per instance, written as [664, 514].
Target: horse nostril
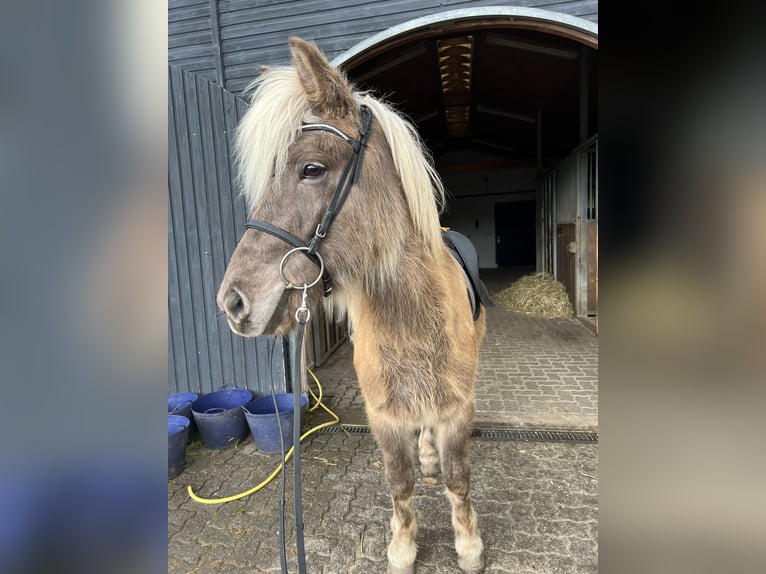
[235, 305]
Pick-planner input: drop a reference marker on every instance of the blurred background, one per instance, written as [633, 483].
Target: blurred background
[83, 273]
[683, 318]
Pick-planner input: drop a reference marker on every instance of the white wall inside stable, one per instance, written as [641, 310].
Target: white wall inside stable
[472, 195]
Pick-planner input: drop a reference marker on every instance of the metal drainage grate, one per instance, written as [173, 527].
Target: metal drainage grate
[351, 429]
[519, 435]
[537, 435]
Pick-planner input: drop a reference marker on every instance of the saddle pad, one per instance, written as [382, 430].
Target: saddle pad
[464, 252]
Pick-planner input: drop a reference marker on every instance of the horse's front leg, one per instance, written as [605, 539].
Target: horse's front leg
[456, 469]
[397, 446]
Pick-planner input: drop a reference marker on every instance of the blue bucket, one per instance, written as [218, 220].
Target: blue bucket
[180, 404]
[178, 438]
[219, 417]
[264, 424]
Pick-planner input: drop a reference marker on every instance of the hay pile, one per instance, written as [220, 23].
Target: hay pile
[538, 295]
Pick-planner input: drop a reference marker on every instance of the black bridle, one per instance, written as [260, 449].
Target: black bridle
[348, 178]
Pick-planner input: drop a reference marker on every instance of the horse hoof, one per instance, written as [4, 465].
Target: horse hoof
[400, 569]
[472, 566]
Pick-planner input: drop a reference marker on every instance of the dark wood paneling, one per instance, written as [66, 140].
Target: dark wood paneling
[205, 218]
[190, 37]
[255, 33]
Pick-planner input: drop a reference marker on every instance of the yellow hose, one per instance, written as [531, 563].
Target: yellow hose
[318, 403]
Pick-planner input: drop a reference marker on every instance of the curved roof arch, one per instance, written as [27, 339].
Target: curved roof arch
[557, 23]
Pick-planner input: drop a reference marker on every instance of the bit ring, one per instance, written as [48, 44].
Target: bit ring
[290, 284]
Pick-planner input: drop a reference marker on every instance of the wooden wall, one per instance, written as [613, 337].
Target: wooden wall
[206, 217]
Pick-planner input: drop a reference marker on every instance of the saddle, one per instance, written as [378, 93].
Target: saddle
[464, 252]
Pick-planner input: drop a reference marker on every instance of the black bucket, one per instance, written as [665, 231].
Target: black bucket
[219, 417]
[263, 423]
[180, 404]
[178, 438]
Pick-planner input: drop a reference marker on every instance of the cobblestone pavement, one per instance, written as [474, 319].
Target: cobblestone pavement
[536, 502]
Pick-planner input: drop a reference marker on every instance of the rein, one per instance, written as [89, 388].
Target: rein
[349, 176]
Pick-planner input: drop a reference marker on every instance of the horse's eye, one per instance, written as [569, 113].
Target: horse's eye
[312, 170]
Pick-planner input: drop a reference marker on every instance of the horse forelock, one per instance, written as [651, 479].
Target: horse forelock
[268, 128]
[273, 122]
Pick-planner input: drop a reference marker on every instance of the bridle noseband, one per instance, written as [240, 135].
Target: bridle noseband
[348, 178]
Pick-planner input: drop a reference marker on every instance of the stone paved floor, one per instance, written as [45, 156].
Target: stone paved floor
[537, 502]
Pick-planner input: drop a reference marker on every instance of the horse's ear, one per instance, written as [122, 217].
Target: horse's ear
[327, 91]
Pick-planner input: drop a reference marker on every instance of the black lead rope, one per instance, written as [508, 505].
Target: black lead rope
[282, 549]
[297, 392]
[302, 316]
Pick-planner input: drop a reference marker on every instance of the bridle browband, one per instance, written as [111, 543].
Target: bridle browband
[348, 178]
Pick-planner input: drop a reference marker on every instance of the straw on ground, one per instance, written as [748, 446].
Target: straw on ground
[538, 295]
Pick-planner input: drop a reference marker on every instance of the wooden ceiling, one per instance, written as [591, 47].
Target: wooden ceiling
[482, 90]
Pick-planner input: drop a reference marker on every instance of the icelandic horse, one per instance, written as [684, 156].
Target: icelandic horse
[308, 146]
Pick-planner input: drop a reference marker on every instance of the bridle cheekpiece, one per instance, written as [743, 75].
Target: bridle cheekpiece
[349, 176]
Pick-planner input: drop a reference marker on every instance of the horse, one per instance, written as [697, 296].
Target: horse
[339, 186]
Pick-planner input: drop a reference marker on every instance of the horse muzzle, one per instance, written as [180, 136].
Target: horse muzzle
[249, 315]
